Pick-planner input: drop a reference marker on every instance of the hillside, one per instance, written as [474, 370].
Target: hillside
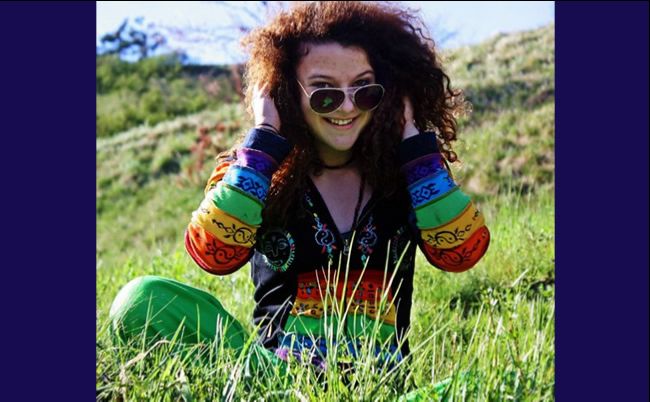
[146, 188]
[157, 89]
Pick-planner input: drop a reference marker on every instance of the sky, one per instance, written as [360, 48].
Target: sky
[470, 21]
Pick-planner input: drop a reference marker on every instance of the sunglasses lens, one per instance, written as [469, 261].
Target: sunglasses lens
[368, 97]
[326, 100]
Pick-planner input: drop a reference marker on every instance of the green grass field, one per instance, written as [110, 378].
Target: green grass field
[495, 322]
[496, 319]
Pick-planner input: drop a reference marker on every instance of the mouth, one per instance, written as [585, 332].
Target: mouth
[341, 124]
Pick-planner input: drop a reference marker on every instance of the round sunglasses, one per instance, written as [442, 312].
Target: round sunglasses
[328, 100]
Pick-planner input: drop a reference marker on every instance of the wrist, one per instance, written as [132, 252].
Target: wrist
[263, 139]
[409, 131]
[417, 146]
[268, 126]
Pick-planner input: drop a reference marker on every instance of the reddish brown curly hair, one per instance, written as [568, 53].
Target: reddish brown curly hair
[405, 63]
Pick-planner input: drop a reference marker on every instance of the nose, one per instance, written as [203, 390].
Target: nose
[348, 105]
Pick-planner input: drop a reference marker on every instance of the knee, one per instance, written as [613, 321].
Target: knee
[133, 293]
[134, 302]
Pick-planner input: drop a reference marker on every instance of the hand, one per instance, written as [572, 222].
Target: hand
[264, 109]
[409, 126]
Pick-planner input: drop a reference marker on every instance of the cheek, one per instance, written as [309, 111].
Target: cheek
[312, 119]
[304, 106]
[366, 119]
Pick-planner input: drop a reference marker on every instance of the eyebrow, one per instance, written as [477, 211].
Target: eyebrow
[327, 77]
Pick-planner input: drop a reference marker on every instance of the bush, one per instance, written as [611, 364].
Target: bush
[153, 90]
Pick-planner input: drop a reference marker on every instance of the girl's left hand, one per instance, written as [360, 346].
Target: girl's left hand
[409, 127]
[264, 108]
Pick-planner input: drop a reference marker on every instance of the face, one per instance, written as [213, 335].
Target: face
[334, 66]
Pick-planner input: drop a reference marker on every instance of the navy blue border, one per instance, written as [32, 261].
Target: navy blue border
[47, 76]
[48, 176]
[602, 201]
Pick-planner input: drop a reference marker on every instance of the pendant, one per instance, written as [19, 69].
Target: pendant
[346, 247]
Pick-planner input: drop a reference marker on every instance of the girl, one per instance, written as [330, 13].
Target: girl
[343, 175]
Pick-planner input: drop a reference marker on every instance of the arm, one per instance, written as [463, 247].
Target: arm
[221, 234]
[451, 230]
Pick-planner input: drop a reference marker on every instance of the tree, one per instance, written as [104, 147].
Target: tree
[233, 20]
[132, 41]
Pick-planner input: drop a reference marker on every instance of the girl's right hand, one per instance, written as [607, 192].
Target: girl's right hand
[264, 109]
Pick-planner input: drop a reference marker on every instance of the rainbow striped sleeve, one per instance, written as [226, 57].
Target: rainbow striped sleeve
[453, 234]
[221, 234]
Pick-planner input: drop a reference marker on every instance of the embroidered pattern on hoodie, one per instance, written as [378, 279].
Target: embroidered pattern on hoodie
[324, 237]
[367, 240]
[278, 248]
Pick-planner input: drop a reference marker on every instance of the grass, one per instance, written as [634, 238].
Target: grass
[496, 320]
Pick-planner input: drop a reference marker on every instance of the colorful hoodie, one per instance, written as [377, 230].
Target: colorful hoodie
[308, 277]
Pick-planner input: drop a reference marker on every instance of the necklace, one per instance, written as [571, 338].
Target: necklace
[344, 164]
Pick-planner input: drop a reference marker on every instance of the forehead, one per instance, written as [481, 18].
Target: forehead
[333, 60]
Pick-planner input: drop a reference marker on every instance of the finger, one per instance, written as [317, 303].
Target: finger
[261, 89]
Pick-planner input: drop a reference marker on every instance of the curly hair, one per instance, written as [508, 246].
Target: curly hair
[405, 63]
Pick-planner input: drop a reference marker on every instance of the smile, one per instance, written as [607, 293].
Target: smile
[341, 123]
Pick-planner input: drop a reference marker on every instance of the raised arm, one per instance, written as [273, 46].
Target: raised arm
[221, 234]
[452, 231]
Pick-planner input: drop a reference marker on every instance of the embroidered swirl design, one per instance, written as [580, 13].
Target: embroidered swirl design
[224, 254]
[462, 257]
[240, 235]
[323, 236]
[367, 240]
[457, 231]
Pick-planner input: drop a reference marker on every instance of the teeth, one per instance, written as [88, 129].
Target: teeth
[340, 122]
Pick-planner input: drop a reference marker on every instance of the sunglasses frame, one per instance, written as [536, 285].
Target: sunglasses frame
[346, 91]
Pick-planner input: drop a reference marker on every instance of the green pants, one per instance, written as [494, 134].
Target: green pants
[159, 308]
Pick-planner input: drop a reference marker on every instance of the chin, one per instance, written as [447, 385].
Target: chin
[344, 146]
[337, 141]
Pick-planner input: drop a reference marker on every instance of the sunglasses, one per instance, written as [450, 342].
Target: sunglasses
[328, 100]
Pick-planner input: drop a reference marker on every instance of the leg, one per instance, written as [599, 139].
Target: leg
[156, 307]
